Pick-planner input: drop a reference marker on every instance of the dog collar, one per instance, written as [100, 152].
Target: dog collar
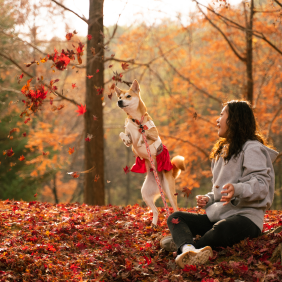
[142, 128]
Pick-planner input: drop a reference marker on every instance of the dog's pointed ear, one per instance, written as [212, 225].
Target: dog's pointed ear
[135, 87]
[118, 91]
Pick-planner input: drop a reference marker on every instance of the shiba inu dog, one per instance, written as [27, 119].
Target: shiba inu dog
[130, 101]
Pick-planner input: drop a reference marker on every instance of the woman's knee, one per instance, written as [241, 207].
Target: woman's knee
[176, 214]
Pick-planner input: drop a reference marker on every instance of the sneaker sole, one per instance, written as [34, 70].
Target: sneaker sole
[193, 258]
[171, 248]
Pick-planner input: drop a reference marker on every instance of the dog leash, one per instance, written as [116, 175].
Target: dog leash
[142, 131]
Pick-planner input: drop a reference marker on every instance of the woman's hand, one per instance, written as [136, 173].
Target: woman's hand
[229, 189]
[202, 201]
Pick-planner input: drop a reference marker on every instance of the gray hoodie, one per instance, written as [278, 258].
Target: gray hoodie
[253, 178]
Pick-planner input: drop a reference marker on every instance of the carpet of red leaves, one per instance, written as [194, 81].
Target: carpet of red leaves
[73, 242]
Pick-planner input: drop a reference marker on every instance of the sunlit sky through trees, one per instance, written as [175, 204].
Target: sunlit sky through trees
[130, 11]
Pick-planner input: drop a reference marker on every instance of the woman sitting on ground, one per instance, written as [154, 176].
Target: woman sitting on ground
[243, 189]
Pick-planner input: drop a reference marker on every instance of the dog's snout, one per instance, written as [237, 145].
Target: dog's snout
[120, 102]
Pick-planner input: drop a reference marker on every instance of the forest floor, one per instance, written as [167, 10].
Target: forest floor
[73, 242]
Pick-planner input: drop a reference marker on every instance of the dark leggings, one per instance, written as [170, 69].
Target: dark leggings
[223, 233]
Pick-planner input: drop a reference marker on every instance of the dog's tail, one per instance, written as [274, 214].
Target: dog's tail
[178, 165]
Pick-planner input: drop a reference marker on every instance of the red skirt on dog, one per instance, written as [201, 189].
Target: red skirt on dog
[163, 162]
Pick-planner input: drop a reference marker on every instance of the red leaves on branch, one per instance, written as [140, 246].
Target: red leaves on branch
[81, 110]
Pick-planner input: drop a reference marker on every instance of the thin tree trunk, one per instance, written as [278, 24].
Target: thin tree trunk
[249, 54]
[94, 193]
[54, 189]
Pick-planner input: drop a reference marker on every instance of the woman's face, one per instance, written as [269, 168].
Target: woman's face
[221, 123]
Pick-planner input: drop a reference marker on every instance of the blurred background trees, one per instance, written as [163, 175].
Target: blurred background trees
[186, 70]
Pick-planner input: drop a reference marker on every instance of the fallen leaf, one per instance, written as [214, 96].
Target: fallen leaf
[22, 158]
[35, 195]
[175, 221]
[71, 150]
[10, 152]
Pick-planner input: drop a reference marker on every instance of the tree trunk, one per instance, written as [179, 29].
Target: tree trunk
[127, 198]
[249, 54]
[94, 150]
[55, 189]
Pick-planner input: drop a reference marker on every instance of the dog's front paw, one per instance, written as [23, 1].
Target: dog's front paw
[125, 138]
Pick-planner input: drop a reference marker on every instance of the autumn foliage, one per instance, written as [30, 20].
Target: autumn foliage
[72, 242]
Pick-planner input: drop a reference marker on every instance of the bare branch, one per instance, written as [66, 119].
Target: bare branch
[240, 27]
[224, 36]
[10, 90]
[272, 121]
[189, 81]
[64, 7]
[186, 141]
[278, 3]
[29, 75]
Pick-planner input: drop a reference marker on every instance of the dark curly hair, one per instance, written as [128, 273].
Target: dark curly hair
[242, 126]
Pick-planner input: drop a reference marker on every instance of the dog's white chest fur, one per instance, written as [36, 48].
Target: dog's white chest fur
[137, 140]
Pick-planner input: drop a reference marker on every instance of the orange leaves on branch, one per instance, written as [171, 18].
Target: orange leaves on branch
[81, 110]
[71, 150]
[124, 66]
[186, 191]
[22, 158]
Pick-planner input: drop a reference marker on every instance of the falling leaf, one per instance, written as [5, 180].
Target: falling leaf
[110, 66]
[45, 153]
[60, 107]
[24, 134]
[195, 115]
[20, 77]
[126, 169]
[175, 194]
[35, 195]
[89, 36]
[69, 36]
[89, 76]
[44, 60]
[22, 158]
[87, 139]
[74, 32]
[124, 66]
[27, 120]
[71, 150]
[97, 70]
[175, 221]
[95, 118]
[51, 101]
[112, 55]
[81, 110]
[75, 175]
[186, 191]
[96, 178]
[73, 85]
[53, 108]
[10, 152]
[108, 181]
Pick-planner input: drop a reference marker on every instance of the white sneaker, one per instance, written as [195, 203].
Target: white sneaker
[192, 256]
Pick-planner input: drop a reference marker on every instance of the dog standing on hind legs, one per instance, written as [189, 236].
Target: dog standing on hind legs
[130, 101]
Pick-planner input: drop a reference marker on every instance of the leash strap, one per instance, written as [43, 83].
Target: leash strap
[142, 130]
